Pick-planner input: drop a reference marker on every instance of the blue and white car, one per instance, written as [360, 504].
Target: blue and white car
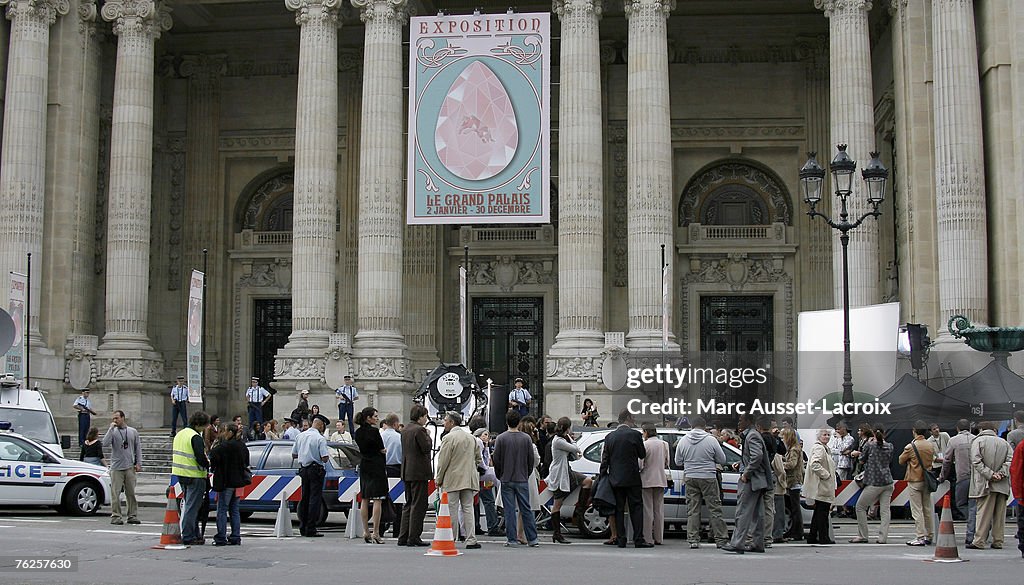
[32, 474]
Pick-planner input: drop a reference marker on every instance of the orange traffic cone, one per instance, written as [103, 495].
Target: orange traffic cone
[171, 537]
[945, 541]
[443, 544]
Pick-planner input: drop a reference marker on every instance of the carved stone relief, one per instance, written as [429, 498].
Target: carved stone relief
[767, 186]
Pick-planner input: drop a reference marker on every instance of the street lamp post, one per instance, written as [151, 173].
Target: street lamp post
[842, 168]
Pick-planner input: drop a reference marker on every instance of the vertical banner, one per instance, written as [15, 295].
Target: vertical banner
[15, 357]
[463, 334]
[479, 119]
[664, 306]
[194, 332]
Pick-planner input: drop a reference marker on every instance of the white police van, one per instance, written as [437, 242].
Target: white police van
[32, 474]
[29, 415]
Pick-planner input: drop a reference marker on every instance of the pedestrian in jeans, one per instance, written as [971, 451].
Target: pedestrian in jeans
[793, 463]
[189, 463]
[957, 465]
[699, 454]
[877, 484]
[229, 461]
[487, 482]
[125, 461]
[513, 459]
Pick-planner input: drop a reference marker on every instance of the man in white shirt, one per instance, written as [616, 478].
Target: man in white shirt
[519, 398]
[393, 462]
[179, 404]
[346, 396]
[255, 397]
[84, 407]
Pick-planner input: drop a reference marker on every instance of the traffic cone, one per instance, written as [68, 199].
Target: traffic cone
[945, 541]
[283, 525]
[443, 544]
[171, 537]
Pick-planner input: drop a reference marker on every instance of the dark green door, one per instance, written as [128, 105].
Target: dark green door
[508, 342]
[272, 326]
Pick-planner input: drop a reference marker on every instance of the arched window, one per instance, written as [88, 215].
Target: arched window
[266, 202]
[734, 192]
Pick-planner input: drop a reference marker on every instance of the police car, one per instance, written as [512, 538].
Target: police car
[29, 415]
[32, 474]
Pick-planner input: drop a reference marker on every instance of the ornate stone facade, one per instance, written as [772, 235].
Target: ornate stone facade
[282, 153]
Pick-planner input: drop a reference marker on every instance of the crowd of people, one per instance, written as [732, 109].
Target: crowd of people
[776, 475]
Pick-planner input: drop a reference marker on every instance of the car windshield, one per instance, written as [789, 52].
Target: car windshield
[34, 424]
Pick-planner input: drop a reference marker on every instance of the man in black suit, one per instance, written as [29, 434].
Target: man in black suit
[755, 471]
[623, 451]
[416, 473]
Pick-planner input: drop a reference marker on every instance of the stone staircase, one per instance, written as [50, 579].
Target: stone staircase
[156, 450]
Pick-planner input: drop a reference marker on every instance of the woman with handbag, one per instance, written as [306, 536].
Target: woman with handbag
[876, 481]
[229, 461]
[561, 479]
[918, 457]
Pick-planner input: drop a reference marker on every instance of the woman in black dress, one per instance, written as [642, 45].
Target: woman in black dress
[373, 478]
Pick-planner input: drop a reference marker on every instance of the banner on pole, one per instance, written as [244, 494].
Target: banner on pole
[479, 119]
[463, 334]
[194, 337]
[664, 306]
[14, 362]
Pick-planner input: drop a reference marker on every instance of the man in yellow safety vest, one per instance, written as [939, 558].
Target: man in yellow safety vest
[189, 464]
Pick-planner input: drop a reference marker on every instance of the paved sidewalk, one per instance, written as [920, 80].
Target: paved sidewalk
[151, 489]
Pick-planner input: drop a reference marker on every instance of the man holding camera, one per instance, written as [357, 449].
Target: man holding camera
[125, 450]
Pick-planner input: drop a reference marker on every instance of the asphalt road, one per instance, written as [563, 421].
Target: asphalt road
[109, 555]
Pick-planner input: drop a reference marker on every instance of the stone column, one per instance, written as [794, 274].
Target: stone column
[580, 229]
[853, 123]
[380, 180]
[816, 293]
[23, 159]
[137, 24]
[204, 209]
[914, 170]
[649, 172]
[959, 164]
[316, 174]
[73, 152]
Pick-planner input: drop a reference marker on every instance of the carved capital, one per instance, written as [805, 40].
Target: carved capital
[45, 11]
[307, 11]
[88, 15]
[647, 8]
[832, 6]
[568, 8]
[137, 17]
[382, 10]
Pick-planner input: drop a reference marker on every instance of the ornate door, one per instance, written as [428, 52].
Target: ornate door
[736, 332]
[271, 327]
[508, 342]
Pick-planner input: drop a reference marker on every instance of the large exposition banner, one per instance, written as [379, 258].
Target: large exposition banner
[479, 119]
[15, 359]
[194, 334]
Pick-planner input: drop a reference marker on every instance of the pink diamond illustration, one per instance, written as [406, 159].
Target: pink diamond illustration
[476, 134]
